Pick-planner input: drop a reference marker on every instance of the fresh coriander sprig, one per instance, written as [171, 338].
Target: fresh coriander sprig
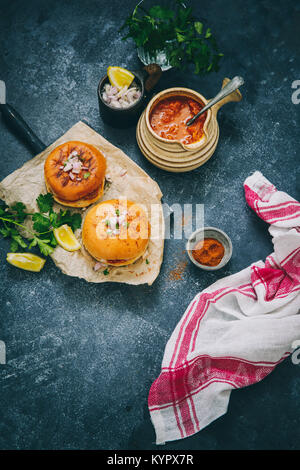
[44, 222]
[185, 39]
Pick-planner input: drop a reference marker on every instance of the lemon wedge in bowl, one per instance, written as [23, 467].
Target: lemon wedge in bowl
[26, 261]
[66, 239]
[119, 77]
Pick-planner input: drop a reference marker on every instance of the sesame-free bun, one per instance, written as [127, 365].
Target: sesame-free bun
[116, 232]
[87, 185]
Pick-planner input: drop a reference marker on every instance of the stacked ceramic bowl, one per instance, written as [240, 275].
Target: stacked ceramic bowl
[173, 155]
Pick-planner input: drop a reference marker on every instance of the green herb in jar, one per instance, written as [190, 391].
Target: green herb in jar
[176, 31]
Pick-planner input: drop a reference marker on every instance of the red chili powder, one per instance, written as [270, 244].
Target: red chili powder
[177, 273]
[208, 252]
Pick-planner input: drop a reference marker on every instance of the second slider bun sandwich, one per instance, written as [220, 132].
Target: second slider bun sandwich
[116, 232]
[75, 174]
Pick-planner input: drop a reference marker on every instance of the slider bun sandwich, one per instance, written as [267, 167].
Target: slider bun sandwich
[116, 232]
[75, 174]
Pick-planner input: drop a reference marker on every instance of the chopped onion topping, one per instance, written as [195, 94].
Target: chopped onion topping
[76, 167]
[98, 266]
[122, 219]
[114, 223]
[120, 99]
[68, 166]
[73, 164]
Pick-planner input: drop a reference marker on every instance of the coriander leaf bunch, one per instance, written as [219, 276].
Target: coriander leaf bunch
[185, 39]
[44, 221]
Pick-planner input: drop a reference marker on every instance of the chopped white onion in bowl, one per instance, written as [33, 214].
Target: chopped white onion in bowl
[123, 98]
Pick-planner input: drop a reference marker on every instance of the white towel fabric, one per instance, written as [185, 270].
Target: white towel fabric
[235, 332]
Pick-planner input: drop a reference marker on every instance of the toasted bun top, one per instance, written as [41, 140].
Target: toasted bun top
[116, 230]
[87, 172]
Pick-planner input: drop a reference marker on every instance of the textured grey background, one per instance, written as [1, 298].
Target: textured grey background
[81, 357]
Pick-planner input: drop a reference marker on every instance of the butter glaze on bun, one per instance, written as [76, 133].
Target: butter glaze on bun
[75, 174]
[116, 232]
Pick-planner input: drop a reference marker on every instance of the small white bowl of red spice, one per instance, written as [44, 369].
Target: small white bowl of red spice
[209, 248]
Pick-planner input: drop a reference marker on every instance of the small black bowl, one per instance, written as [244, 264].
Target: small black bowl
[121, 117]
[145, 80]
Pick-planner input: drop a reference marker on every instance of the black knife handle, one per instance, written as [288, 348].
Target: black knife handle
[13, 119]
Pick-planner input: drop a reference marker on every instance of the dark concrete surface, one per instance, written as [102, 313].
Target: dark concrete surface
[81, 357]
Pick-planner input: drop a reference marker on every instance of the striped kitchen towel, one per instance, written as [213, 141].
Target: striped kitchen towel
[235, 332]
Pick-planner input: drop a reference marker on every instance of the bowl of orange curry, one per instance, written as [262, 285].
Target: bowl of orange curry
[169, 111]
[209, 248]
[166, 140]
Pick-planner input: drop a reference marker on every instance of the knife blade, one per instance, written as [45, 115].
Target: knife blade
[2, 92]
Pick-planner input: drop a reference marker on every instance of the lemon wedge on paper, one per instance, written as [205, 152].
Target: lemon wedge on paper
[119, 77]
[66, 238]
[26, 261]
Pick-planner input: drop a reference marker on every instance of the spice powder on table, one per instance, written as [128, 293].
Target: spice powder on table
[176, 274]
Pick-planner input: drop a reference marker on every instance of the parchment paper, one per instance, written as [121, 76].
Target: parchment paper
[128, 180]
